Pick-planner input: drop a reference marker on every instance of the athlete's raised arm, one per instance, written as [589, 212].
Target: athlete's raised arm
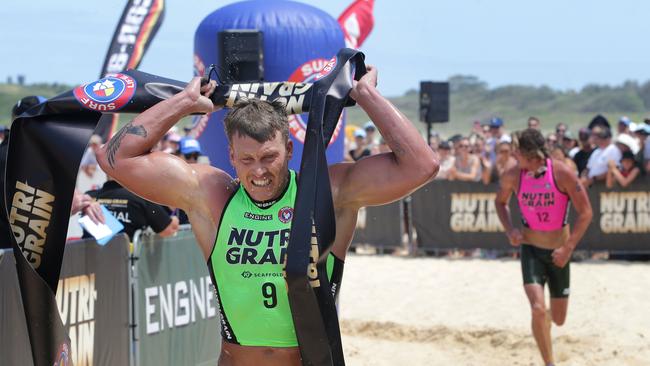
[157, 176]
[386, 177]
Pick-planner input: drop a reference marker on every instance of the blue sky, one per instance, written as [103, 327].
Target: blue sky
[562, 44]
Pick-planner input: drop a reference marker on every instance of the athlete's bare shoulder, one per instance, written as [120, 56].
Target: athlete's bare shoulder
[215, 188]
[564, 176]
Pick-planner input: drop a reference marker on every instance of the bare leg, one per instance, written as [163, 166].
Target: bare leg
[559, 306]
[541, 322]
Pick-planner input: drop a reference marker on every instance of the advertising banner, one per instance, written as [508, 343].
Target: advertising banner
[177, 314]
[92, 300]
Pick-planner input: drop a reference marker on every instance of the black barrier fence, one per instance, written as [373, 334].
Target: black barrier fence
[451, 214]
[380, 226]
[152, 307]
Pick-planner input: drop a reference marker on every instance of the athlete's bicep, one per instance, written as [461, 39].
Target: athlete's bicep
[375, 180]
[571, 185]
[158, 177]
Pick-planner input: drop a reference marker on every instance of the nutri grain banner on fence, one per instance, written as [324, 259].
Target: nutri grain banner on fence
[462, 215]
[92, 299]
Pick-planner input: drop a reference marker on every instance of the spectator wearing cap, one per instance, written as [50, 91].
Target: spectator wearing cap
[585, 149]
[446, 159]
[190, 150]
[467, 166]
[533, 122]
[624, 174]
[599, 121]
[496, 135]
[570, 144]
[361, 151]
[371, 135]
[625, 143]
[605, 151]
[643, 157]
[624, 125]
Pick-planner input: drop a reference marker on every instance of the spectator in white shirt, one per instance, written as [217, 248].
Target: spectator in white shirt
[597, 165]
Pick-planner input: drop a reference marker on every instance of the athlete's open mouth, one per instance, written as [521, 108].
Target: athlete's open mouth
[261, 182]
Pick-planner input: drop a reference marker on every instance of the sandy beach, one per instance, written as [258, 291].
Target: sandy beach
[428, 311]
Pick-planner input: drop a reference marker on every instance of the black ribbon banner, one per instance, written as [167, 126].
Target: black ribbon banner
[46, 146]
[312, 305]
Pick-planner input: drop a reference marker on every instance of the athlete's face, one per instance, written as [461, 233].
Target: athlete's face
[262, 167]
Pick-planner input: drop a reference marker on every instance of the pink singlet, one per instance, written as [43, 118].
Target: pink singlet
[543, 207]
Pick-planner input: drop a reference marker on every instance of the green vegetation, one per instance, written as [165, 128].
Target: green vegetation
[471, 99]
[11, 93]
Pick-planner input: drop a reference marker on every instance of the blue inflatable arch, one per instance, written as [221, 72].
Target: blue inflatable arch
[298, 40]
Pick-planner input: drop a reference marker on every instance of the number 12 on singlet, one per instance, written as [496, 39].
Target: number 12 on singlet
[542, 216]
[270, 295]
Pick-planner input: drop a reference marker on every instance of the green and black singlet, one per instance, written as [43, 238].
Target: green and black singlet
[247, 269]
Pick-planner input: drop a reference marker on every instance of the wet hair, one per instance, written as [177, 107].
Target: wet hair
[257, 119]
[530, 143]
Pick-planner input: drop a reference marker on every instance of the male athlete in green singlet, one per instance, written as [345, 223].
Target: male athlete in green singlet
[242, 225]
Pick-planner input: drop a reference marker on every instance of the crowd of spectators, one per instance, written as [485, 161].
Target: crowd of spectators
[132, 211]
[595, 152]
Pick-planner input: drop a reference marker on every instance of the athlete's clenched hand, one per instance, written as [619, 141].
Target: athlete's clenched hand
[369, 80]
[561, 256]
[200, 95]
[515, 237]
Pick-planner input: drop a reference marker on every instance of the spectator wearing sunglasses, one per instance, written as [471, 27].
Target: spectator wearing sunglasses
[467, 166]
[190, 150]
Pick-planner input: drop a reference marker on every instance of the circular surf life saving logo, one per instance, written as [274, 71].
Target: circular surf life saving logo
[285, 214]
[108, 94]
[310, 72]
[326, 69]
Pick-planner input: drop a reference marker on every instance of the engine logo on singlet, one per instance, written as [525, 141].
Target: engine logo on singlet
[285, 214]
[63, 358]
[108, 94]
[310, 72]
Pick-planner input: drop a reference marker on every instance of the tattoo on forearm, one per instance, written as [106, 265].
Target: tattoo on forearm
[114, 144]
[578, 187]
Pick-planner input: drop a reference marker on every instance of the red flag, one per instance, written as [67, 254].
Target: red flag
[357, 22]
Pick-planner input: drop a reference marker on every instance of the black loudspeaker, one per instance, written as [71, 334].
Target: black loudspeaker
[241, 55]
[434, 102]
